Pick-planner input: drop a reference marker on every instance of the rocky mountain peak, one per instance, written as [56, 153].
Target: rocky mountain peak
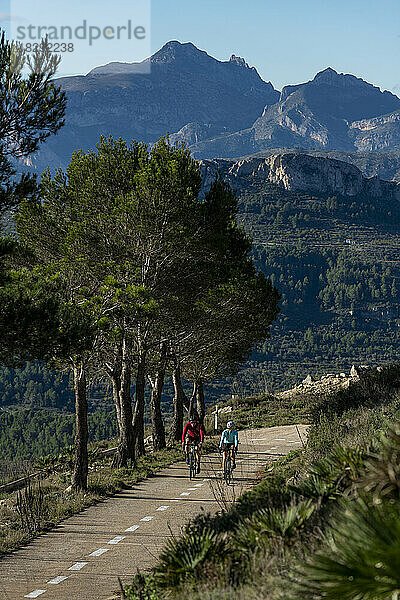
[238, 60]
[174, 50]
[328, 75]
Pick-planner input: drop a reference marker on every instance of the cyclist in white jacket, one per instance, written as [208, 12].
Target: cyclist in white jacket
[229, 443]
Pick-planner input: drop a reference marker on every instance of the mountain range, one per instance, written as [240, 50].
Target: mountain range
[225, 109]
[182, 85]
[333, 111]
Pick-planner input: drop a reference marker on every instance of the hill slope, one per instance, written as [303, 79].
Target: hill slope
[330, 241]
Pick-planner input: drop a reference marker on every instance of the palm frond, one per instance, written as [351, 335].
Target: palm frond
[269, 524]
[183, 557]
[382, 475]
[362, 561]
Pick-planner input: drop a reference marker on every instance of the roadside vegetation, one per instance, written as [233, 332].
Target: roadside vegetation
[48, 500]
[323, 522]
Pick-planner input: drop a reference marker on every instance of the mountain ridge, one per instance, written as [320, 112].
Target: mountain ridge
[220, 108]
[298, 172]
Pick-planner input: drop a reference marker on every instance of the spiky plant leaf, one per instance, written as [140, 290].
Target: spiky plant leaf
[182, 558]
[269, 524]
[330, 477]
[363, 560]
[382, 475]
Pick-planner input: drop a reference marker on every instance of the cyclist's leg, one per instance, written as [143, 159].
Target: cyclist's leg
[233, 454]
[224, 459]
[198, 457]
[187, 450]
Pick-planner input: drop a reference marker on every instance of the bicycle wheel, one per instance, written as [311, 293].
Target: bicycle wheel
[228, 469]
[193, 463]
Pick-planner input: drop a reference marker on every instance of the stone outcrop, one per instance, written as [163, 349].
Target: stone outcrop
[302, 173]
[330, 382]
[379, 133]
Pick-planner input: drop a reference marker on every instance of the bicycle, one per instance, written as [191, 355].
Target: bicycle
[228, 471]
[193, 461]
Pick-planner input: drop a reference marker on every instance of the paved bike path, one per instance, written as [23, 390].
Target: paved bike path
[83, 558]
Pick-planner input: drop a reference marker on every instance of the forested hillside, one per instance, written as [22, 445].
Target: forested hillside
[27, 435]
[336, 262]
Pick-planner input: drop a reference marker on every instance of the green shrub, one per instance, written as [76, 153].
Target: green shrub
[362, 560]
[185, 559]
[328, 478]
[143, 587]
[382, 475]
[268, 524]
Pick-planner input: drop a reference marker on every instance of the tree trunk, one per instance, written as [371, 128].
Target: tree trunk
[79, 476]
[192, 403]
[116, 387]
[179, 401]
[157, 424]
[138, 417]
[125, 455]
[201, 405]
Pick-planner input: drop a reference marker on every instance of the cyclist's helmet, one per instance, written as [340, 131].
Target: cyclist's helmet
[230, 425]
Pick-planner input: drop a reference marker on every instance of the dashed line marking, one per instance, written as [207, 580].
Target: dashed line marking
[133, 528]
[117, 539]
[161, 508]
[146, 519]
[191, 489]
[258, 440]
[199, 485]
[77, 566]
[185, 494]
[207, 479]
[274, 448]
[99, 552]
[35, 594]
[279, 439]
[58, 579]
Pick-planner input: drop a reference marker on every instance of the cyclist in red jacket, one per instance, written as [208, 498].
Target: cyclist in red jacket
[193, 434]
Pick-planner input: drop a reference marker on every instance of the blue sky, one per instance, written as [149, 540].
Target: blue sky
[288, 42]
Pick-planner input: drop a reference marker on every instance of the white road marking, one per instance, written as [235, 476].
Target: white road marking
[280, 440]
[35, 594]
[99, 552]
[77, 566]
[199, 485]
[191, 489]
[133, 528]
[146, 519]
[117, 539]
[274, 448]
[206, 479]
[185, 494]
[162, 508]
[258, 440]
[293, 442]
[58, 579]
